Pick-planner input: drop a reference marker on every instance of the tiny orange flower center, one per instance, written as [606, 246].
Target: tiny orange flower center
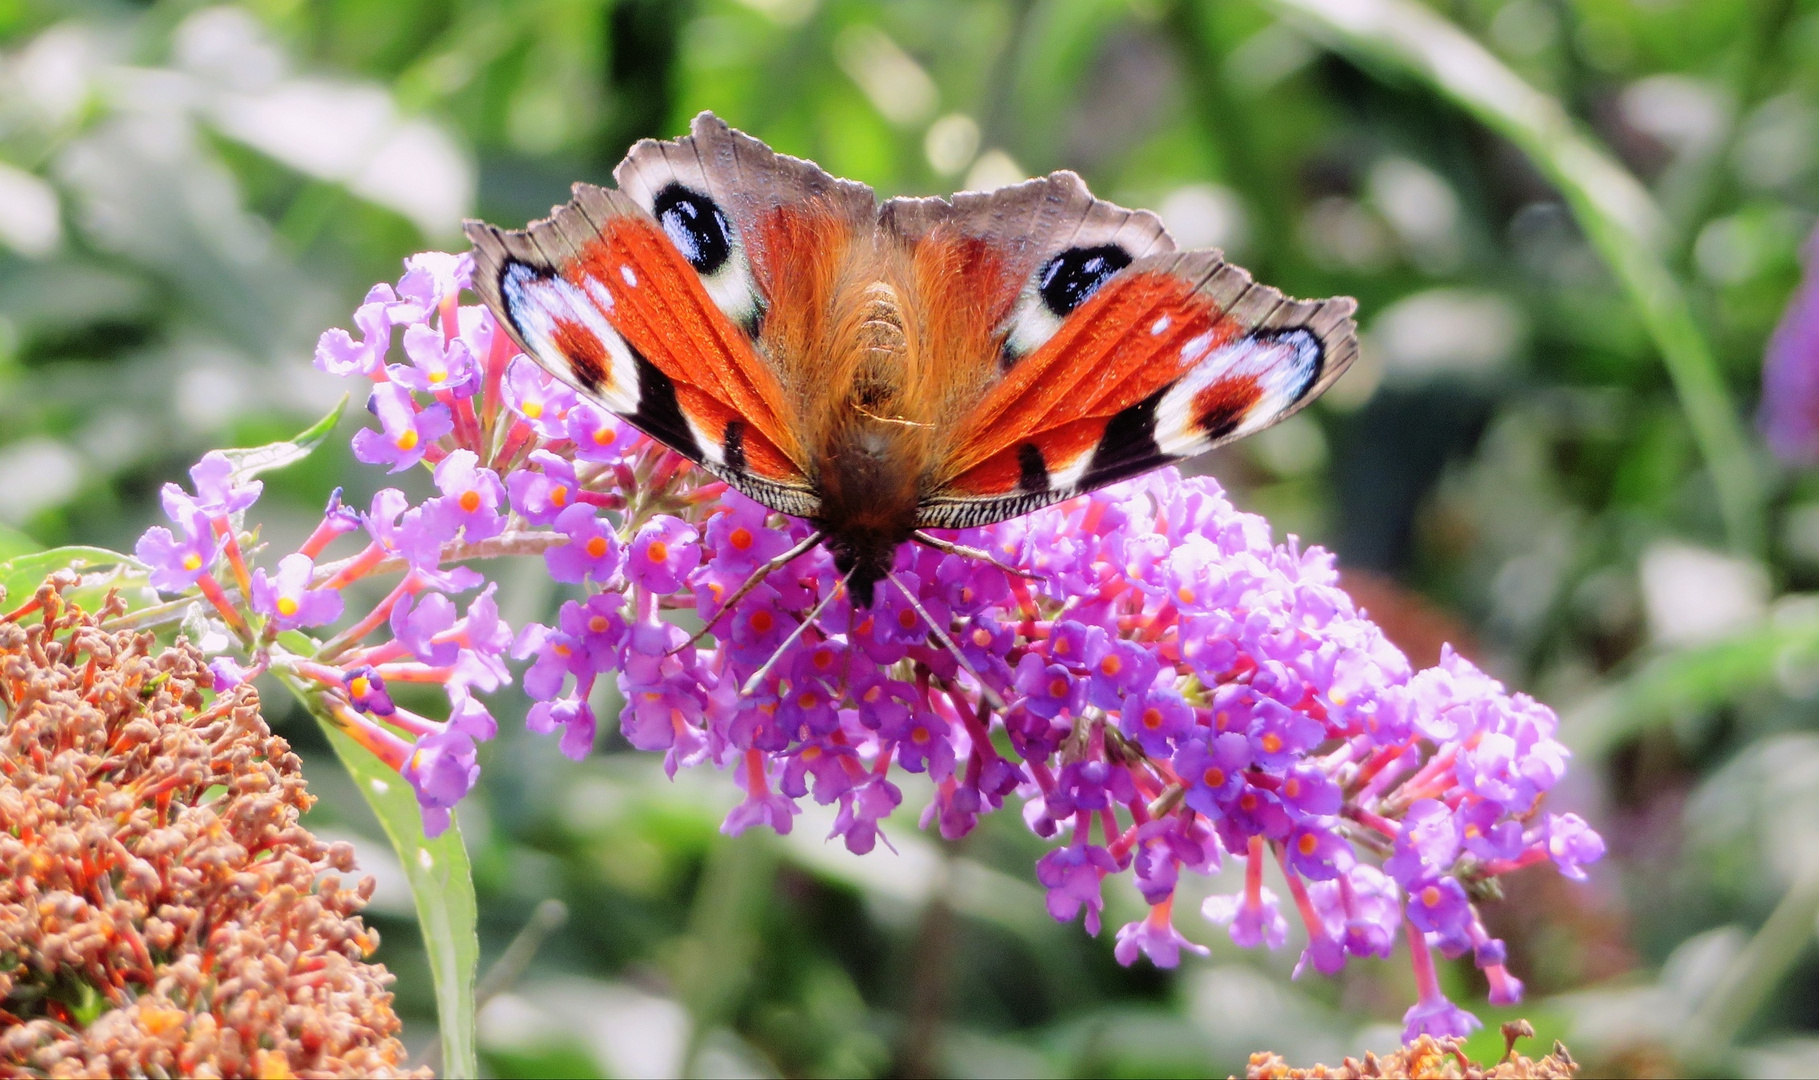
[1430, 896]
[762, 621]
[407, 440]
[470, 500]
[287, 606]
[981, 636]
[564, 650]
[1249, 800]
[596, 547]
[1292, 787]
[1214, 777]
[1110, 666]
[1308, 843]
[192, 561]
[359, 687]
[1057, 687]
[807, 699]
[438, 376]
[1186, 594]
[533, 409]
[740, 538]
[558, 495]
[1061, 647]
[1152, 718]
[906, 619]
[603, 435]
[810, 753]
[919, 734]
[1272, 743]
[597, 624]
[657, 552]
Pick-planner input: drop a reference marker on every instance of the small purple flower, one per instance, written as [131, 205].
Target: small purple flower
[216, 492]
[540, 496]
[1117, 668]
[435, 367]
[574, 716]
[539, 399]
[1048, 689]
[592, 550]
[1428, 845]
[415, 625]
[340, 355]
[1789, 416]
[1318, 854]
[407, 431]
[1213, 772]
[175, 563]
[1250, 922]
[597, 434]
[366, 691]
[1155, 718]
[288, 598]
[1156, 938]
[1072, 875]
[1571, 843]
[429, 278]
[442, 769]
[663, 553]
[470, 500]
[1439, 906]
[227, 673]
[1439, 1018]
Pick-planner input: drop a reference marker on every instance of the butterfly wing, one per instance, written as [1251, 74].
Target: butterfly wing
[652, 300]
[1100, 352]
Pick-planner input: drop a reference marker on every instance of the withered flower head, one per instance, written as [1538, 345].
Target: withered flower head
[1428, 1058]
[162, 912]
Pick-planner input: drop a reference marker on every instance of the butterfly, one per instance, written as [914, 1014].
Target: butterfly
[885, 369]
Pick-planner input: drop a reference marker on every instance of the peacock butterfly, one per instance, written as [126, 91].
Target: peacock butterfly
[881, 370]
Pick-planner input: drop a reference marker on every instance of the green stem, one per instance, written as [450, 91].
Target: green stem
[1613, 208]
[1754, 973]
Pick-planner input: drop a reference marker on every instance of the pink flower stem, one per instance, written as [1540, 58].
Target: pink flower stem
[1427, 985]
[211, 589]
[382, 611]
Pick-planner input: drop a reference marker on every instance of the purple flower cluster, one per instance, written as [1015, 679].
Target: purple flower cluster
[1179, 688]
[1789, 416]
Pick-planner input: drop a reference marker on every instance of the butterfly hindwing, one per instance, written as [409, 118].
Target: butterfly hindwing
[1166, 358]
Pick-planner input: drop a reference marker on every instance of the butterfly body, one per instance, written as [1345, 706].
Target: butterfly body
[880, 370]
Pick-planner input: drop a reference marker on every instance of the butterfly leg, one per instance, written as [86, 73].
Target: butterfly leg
[752, 582]
[751, 684]
[985, 691]
[951, 548]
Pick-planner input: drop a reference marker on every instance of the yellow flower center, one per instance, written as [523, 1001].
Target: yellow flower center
[603, 436]
[287, 606]
[192, 561]
[438, 376]
[533, 409]
[407, 440]
[360, 686]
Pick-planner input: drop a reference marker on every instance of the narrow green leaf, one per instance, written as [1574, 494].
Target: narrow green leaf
[1689, 681]
[442, 885]
[252, 461]
[14, 543]
[100, 568]
[1612, 206]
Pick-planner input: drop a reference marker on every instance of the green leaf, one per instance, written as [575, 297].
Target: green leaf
[1689, 681]
[14, 543]
[1611, 205]
[442, 885]
[100, 568]
[252, 461]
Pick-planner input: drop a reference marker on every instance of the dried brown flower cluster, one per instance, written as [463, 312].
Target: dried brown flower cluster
[161, 910]
[1428, 1059]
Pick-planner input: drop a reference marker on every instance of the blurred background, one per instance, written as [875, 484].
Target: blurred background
[191, 193]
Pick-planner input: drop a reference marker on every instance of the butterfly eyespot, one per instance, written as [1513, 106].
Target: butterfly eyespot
[1072, 277]
[695, 225]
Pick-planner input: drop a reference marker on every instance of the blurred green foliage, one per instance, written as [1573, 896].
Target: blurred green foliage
[190, 194]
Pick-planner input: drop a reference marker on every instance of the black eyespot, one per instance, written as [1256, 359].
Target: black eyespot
[1076, 274]
[695, 225]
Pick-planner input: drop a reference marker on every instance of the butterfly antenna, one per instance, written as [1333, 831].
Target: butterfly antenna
[751, 684]
[965, 552]
[985, 691]
[752, 582]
